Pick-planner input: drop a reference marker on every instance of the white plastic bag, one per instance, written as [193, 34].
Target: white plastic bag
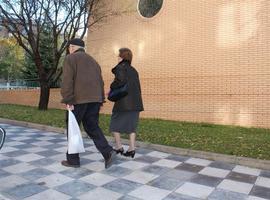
[75, 142]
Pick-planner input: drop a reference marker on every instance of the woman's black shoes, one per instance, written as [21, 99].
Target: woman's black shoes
[121, 151]
[129, 154]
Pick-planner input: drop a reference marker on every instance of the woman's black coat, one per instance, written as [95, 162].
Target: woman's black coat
[125, 73]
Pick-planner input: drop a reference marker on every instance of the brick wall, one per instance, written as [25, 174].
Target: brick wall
[199, 60]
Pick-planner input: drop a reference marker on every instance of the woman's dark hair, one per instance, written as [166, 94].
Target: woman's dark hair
[125, 54]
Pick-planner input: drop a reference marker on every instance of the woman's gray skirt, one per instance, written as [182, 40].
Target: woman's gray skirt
[124, 122]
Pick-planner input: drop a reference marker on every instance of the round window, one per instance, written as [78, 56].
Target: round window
[149, 8]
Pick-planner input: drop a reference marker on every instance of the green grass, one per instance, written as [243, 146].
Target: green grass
[231, 140]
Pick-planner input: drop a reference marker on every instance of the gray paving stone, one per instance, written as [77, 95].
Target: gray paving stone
[154, 169]
[178, 158]
[77, 173]
[265, 174]
[223, 194]
[222, 165]
[122, 186]
[24, 190]
[15, 153]
[143, 151]
[75, 188]
[48, 153]
[176, 196]
[42, 162]
[117, 171]
[206, 180]
[189, 167]
[259, 191]
[180, 175]
[35, 174]
[166, 183]
[146, 159]
[127, 197]
[4, 173]
[8, 162]
[242, 177]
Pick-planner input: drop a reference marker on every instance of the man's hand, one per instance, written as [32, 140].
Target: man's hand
[69, 107]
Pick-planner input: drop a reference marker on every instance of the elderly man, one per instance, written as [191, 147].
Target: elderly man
[82, 90]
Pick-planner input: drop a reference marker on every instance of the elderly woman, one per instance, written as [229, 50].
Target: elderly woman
[126, 111]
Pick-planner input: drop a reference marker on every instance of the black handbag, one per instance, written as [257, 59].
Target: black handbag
[118, 93]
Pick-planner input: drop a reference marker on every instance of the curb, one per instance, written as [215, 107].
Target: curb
[250, 162]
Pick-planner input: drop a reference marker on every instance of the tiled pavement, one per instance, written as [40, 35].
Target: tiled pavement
[30, 169]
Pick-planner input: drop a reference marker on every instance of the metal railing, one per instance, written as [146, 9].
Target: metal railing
[23, 84]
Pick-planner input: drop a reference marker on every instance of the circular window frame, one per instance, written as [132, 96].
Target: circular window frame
[150, 18]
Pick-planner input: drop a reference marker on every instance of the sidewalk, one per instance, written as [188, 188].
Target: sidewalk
[30, 169]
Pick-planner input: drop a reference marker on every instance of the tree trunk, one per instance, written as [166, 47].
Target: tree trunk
[44, 96]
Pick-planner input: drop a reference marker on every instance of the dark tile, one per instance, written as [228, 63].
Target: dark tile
[176, 196]
[15, 153]
[4, 173]
[166, 183]
[25, 190]
[206, 180]
[48, 153]
[53, 146]
[85, 161]
[226, 195]
[25, 146]
[154, 169]
[259, 191]
[127, 197]
[42, 162]
[76, 173]
[147, 159]
[222, 165]
[241, 177]
[57, 140]
[30, 141]
[122, 186]
[75, 188]
[265, 174]
[36, 174]
[189, 167]
[117, 171]
[8, 162]
[178, 158]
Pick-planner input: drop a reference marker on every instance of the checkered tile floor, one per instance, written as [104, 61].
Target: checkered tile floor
[30, 169]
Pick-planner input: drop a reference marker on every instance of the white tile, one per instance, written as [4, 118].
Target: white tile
[158, 154]
[92, 149]
[167, 163]
[98, 179]
[140, 177]
[14, 143]
[46, 138]
[147, 192]
[255, 198]
[262, 181]
[58, 157]
[61, 149]
[22, 138]
[198, 161]
[19, 168]
[35, 149]
[7, 149]
[235, 186]
[195, 190]
[95, 166]
[93, 156]
[134, 165]
[54, 180]
[29, 157]
[49, 195]
[247, 170]
[42, 143]
[11, 181]
[215, 172]
[56, 167]
[100, 193]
